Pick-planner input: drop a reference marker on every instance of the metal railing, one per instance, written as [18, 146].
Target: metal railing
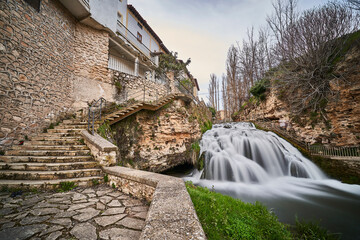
[128, 35]
[94, 113]
[318, 150]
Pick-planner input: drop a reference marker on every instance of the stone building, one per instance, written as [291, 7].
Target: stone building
[57, 57]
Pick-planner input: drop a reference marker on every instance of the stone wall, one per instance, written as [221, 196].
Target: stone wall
[130, 86]
[36, 65]
[92, 78]
[171, 214]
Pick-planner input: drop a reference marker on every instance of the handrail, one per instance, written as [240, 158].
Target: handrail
[134, 40]
[92, 111]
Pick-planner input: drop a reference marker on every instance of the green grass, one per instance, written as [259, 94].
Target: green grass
[312, 231]
[223, 217]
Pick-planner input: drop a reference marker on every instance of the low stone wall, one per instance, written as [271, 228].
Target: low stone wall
[171, 214]
[103, 151]
[133, 87]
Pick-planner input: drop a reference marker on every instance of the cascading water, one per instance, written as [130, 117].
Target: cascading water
[254, 165]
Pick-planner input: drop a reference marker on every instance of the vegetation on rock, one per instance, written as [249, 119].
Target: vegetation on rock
[170, 63]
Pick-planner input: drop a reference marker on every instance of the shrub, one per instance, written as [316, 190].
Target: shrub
[106, 178]
[66, 186]
[213, 111]
[95, 182]
[259, 89]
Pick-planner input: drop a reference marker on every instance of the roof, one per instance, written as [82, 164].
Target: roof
[146, 25]
[197, 85]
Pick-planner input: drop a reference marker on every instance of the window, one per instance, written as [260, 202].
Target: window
[119, 15]
[34, 3]
[140, 26]
[139, 37]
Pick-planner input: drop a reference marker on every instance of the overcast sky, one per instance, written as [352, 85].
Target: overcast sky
[203, 30]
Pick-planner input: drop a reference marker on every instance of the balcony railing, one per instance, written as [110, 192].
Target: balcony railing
[128, 35]
[86, 3]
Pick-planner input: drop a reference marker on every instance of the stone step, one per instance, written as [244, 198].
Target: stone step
[61, 134]
[50, 147]
[65, 130]
[47, 166]
[50, 184]
[24, 152]
[56, 138]
[45, 159]
[48, 175]
[69, 126]
[74, 121]
[65, 142]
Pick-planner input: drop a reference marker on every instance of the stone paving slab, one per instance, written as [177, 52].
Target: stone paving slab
[98, 212]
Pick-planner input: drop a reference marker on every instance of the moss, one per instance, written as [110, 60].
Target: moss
[207, 125]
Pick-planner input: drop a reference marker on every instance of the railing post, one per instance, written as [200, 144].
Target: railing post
[93, 120]
[144, 92]
[89, 119]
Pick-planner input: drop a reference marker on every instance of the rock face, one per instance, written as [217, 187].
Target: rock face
[342, 127]
[157, 141]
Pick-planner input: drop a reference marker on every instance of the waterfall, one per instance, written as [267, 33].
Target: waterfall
[239, 152]
[254, 165]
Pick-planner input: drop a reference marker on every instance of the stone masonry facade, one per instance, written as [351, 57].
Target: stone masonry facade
[36, 52]
[53, 66]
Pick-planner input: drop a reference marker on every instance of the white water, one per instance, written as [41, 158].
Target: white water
[254, 165]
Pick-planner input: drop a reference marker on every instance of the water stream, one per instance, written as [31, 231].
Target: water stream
[254, 165]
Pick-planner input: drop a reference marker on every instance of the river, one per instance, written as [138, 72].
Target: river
[253, 165]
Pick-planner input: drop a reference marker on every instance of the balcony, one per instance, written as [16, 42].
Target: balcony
[124, 32]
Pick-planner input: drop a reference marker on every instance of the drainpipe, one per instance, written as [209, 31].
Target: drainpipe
[153, 75]
[136, 66]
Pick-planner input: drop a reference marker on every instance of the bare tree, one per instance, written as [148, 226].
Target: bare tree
[354, 4]
[214, 92]
[308, 46]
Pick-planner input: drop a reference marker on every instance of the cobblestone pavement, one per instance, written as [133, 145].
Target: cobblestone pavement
[98, 212]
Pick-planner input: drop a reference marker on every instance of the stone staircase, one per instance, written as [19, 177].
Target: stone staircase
[123, 113]
[48, 159]
[60, 155]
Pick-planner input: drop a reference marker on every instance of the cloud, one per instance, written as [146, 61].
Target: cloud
[203, 30]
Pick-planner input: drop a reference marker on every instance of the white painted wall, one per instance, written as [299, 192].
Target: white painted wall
[122, 8]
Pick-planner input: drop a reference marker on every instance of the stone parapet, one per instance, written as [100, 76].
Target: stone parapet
[171, 214]
[103, 151]
[133, 87]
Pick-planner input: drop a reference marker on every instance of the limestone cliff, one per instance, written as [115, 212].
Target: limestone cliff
[157, 141]
[340, 123]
